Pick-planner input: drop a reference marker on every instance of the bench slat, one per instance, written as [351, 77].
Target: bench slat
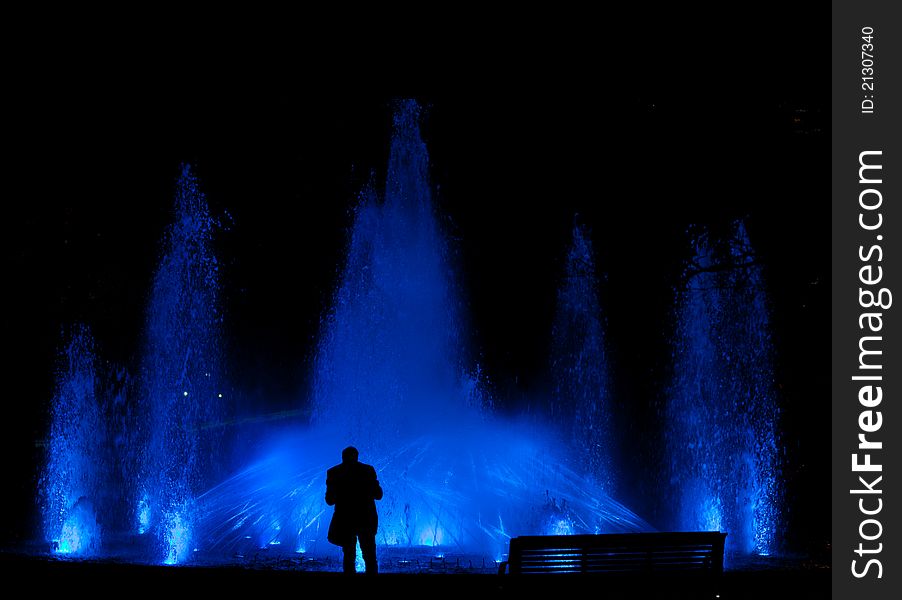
[700, 552]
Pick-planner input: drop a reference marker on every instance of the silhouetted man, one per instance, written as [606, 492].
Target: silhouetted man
[353, 488]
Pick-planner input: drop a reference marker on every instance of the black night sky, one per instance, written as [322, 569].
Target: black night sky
[639, 151]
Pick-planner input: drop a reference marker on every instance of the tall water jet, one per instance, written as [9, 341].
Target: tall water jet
[181, 377]
[580, 405]
[72, 476]
[391, 360]
[722, 412]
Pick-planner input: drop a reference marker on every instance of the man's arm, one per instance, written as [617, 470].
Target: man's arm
[330, 489]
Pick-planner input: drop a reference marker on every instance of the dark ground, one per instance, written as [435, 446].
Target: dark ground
[108, 579]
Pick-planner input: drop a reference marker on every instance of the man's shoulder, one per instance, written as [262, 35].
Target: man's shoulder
[333, 470]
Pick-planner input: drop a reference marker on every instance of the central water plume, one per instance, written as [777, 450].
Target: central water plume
[391, 361]
[392, 377]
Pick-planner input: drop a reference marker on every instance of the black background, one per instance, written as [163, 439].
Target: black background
[640, 135]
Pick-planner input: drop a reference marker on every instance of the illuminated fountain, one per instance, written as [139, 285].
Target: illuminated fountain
[180, 376]
[722, 414]
[581, 397]
[392, 376]
[72, 480]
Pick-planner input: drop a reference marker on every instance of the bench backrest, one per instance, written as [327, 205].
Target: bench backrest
[700, 551]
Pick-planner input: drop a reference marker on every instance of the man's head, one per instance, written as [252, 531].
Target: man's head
[349, 455]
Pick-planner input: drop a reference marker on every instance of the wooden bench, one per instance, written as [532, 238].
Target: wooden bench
[617, 553]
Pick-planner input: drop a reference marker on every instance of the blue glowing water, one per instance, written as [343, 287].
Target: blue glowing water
[392, 377]
[722, 416]
[463, 490]
[181, 377]
[72, 479]
[580, 405]
[391, 359]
